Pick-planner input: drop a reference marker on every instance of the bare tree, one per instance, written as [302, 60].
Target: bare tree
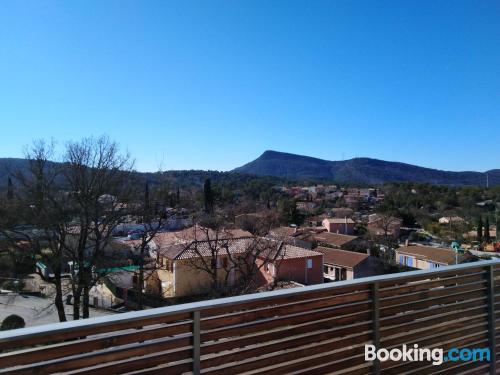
[97, 175]
[232, 263]
[383, 232]
[41, 205]
[152, 224]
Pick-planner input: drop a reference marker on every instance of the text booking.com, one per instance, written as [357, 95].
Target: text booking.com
[413, 353]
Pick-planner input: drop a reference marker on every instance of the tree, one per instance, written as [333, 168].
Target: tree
[498, 225]
[151, 227]
[12, 322]
[487, 236]
[10, 189]
[41, 205]
[98, 175]
[287, 209]
[208, 196]
[224, 258]
[480, 229]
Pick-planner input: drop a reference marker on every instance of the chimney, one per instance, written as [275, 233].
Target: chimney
[407, 242]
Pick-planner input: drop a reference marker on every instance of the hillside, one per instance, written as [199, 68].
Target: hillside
[359, 170]
[280, 165]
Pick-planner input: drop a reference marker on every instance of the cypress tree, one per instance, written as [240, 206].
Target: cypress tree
[487, 237]
[498, 225]
[146, 202]
[10, 189]
[178, 195]
[208, 196]
[480, 229]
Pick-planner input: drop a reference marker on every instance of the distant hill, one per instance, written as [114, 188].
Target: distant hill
[359, 170]
[280, 166]
[174, 179]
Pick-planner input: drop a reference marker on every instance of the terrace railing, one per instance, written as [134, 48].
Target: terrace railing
[312, 330]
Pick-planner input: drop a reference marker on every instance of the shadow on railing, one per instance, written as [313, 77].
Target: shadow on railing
[312, 330]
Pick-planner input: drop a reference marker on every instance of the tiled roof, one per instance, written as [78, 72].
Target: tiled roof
[282, 232]
[280, 250]
[334, 239]
[263, 247]
[338, 220]
[341, 257]
[197, 233]
[437, 255]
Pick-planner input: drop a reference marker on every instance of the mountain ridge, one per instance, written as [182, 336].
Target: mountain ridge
[360, 170]
[288, 166]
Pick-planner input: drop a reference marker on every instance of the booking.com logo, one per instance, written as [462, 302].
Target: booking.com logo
[437, 356]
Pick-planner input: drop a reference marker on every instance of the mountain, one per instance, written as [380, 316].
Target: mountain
[183, 179]
[280, 165]
[359, 170]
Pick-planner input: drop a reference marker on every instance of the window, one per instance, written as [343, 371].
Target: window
[406, 261]
[433, 265]
[309, 263]
[343, 274]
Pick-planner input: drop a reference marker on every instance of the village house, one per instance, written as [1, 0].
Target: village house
[450, 220]
[316, 221]
[183, 267]
[427, 257]
[347, 265]
[339, 225]
[337, 241]
[301, 237]
[306, 206]
[341, 212]
[291, 263]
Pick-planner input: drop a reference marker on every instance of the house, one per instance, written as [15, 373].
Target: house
[306, 206]
[337, 241]
[182, 267]
[301, 237]
[347, 265]
[382, 225]
[472, 235]
[427, 257]
[341, 212]
[316, 221]
[292, 263]
[338, 225]
[451, 220]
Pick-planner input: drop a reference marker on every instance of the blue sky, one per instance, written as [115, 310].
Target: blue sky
[212, 84]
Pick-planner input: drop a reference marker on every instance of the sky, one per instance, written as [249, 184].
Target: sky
[213, 84]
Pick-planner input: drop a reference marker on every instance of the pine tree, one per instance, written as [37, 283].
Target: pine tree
[178, 195]
[487, 237]
[147, 208]
[10, 189]
[480, 229]
[208, 196]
